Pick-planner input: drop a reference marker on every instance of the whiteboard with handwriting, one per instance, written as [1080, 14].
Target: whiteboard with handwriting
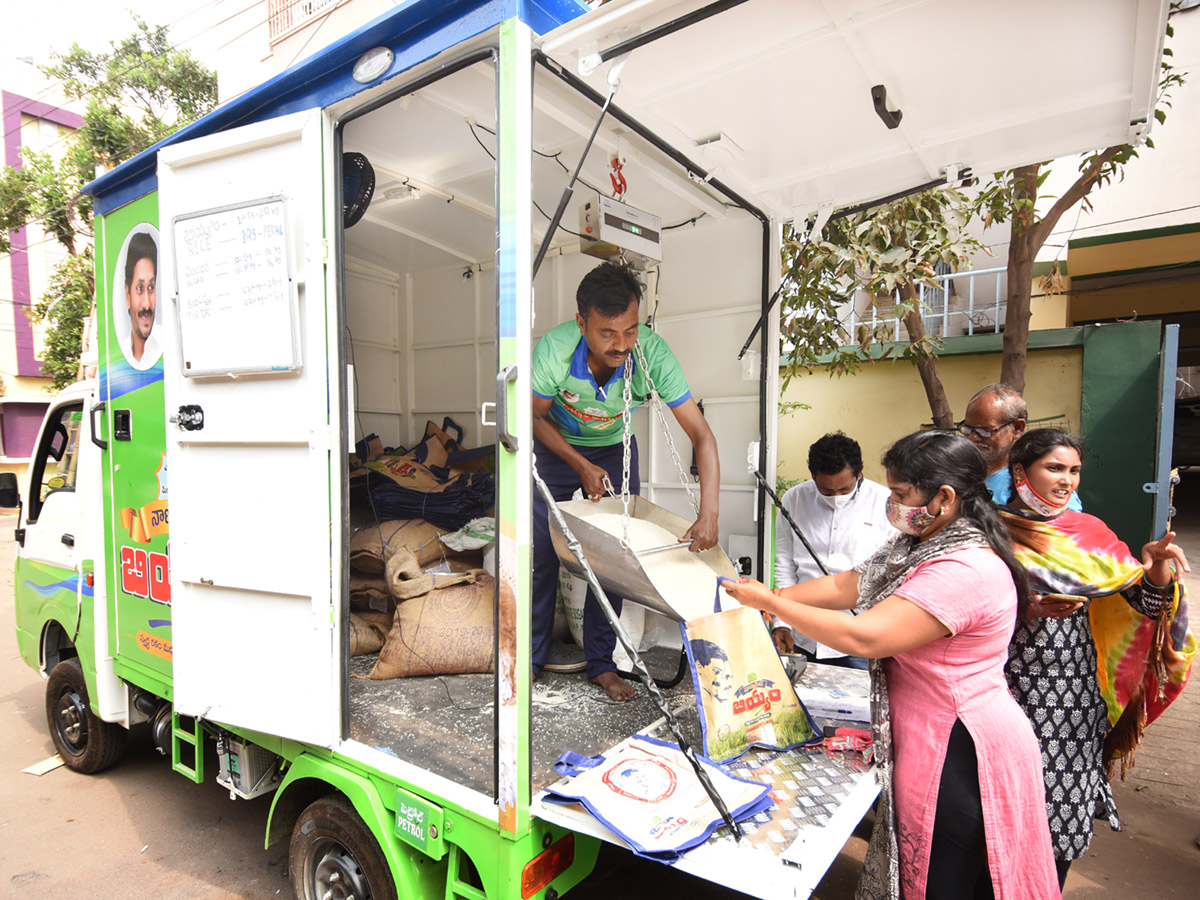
[236, 298]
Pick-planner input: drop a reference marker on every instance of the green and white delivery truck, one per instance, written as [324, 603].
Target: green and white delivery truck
[292, 314]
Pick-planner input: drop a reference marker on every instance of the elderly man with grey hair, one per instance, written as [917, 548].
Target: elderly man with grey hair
[996, 417]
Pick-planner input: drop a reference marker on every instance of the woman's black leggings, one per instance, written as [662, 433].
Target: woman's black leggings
[958, 866]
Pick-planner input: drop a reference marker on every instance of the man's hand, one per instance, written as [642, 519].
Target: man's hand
[785, 641]
[593, 479]
[703, 534]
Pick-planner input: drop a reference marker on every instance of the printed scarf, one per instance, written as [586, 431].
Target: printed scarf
[1142, 663]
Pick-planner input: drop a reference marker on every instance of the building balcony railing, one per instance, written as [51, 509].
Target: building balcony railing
[284, 16]
[973, 302]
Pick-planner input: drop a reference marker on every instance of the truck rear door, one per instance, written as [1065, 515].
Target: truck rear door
[805, 107]
[249, 444]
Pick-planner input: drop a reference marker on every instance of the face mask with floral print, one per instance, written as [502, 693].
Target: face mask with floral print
[908, 519]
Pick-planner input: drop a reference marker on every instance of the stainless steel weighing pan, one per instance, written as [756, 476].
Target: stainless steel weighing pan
[618, 570]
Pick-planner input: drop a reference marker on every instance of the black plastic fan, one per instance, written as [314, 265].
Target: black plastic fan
[358, 184]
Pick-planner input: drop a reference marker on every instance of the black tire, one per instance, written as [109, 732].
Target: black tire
[333, 854]
[86, 744]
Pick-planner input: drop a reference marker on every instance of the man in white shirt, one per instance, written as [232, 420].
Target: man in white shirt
[841, 514]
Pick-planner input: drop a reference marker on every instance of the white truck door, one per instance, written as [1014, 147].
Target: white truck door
[242, 280]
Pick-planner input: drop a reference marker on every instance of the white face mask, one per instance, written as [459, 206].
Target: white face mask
[1036, 501]
[837, 501]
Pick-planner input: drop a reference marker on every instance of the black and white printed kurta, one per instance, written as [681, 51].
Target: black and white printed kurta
[1051, 671]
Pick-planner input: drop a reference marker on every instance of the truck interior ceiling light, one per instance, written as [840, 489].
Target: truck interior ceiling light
[372, 64]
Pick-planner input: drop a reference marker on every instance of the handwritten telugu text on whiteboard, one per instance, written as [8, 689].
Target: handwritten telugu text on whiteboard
[236, 299]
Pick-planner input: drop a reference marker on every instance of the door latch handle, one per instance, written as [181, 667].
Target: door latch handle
[69, 540]
[96, 439]
[189, 417]
[507, 439]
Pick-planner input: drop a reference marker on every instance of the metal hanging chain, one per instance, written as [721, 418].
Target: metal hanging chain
[639, 667]
[656, 404]
[626, 449]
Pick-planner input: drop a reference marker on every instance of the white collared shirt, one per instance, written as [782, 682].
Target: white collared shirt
[842, 538]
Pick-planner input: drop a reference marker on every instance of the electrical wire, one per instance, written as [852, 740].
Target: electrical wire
[553, 156]
[176, 46]
[556, 156]
[1152, 215]
[52, 86]
[324, 18]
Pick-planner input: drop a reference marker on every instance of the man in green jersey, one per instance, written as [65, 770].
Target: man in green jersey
[578, 398]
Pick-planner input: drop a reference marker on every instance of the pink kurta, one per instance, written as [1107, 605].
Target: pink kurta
[962, 677]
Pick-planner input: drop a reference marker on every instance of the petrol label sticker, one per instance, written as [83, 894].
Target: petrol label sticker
[420, 824]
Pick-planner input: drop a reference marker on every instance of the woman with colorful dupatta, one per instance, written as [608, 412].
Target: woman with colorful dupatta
[1090, 597]
[961, 812]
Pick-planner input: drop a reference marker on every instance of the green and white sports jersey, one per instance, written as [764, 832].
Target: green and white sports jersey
[588, 414]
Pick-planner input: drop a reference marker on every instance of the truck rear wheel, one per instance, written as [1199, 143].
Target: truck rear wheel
[86, 744]
[334, 856]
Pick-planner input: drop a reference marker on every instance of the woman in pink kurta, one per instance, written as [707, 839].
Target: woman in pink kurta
[961, 678]
[962, 808]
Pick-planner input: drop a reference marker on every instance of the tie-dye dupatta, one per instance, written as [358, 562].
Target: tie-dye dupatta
[1140, 661]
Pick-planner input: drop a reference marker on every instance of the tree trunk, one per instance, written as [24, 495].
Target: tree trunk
[927, 367]
[1016, 318]
[1026, 238]
[1020, 277]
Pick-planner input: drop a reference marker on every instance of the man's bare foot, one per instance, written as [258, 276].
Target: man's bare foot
[615, 686]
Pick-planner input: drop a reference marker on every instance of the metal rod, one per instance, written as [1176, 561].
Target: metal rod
[761, 319]
[963, 175]
[569, 190]
[689, 167]
[666, 28]
[788, 517]
[664, 547]
[639, 667]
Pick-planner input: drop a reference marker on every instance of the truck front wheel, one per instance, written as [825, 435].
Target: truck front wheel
[86, 744]
[334, 856]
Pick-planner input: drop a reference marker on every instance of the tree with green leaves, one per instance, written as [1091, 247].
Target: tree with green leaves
[888, 253]
[1012, 197]
[134, 94]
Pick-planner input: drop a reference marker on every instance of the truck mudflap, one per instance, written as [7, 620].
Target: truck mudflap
[820, 796]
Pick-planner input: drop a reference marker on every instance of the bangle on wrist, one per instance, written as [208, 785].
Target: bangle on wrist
[1161, 587]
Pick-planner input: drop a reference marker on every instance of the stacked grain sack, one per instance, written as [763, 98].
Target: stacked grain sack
[418, 590]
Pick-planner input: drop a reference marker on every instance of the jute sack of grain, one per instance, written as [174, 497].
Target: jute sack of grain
[373, 546]
[369, 592]
[368, 631]
[449, 631]
[405, 579]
